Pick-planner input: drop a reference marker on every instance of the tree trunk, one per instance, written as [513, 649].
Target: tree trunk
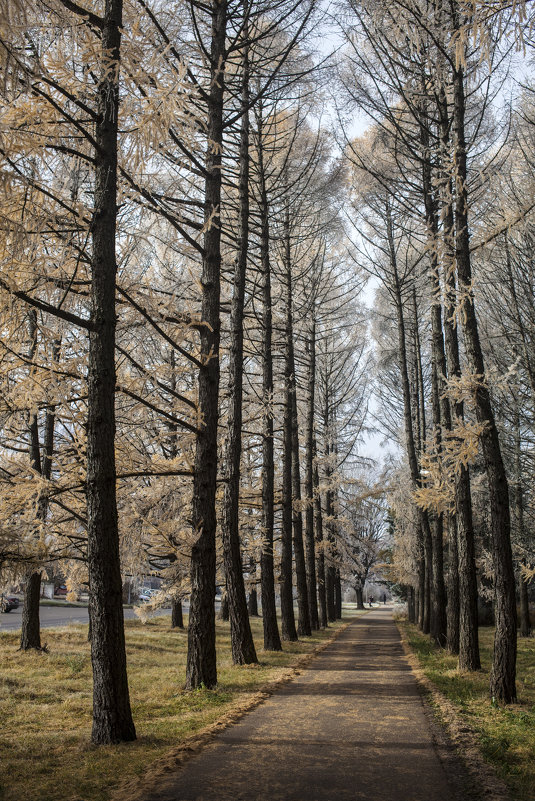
[309, 488]
[177, 618]
[288, 473]
[320, 548]
[360, 596]
[303, 625]
[428, 560]
[453, 588]
[439, 402]
[329, 550]
[439, 630]
[469, 658]
[252, 603]
[411, 606]
[286, 589]
[201, 667]
[272, 640]
[112, 717]
[338, 595]
[241, 638]
[421, 587]
[468, 622]
[502, 683]
[423, 527]
[294, 499]
[525, 621]
[330, 568]
[416, 381]
[224, 613]
[330, 593]
[30, 636]
[418, 418]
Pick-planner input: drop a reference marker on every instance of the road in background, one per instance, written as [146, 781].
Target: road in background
[60, 616]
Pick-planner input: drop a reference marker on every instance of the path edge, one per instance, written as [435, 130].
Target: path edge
[462, 736]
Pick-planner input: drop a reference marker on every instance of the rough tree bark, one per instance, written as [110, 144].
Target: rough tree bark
[419, 437]
[502, 682]
[330, 568]
[30, 635]
[525, 618]
[294, 498]
[468, 623]
[177, 618]
[241, 638]
[518, 497]
[338, 594]
[453, 608]
[272, 640]
[320, 547]
[329, 546]
[329, 542]
[439, 403]
[423, 528]
[289, 631]
[360, 596]
[468, 619]
[303, 623]
[112, 717]
[224, 613]
[411, 605]
[309, 488]
[201, 660]
[252, 603]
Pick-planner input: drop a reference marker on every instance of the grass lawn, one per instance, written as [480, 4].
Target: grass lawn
[45, 706]
[506, 734]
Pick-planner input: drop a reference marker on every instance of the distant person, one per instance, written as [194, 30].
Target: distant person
[384, 598]
[371, 600]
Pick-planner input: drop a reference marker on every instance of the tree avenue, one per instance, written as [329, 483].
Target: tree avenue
[190, 360]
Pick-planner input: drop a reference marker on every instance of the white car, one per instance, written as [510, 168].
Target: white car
[146, 594]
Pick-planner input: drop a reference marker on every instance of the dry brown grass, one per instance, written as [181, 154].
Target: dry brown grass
[45, 707]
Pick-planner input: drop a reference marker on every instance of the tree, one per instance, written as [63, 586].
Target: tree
[243, 650]
[433, 35]
[201, 667]
[112, 719]
[361, 540]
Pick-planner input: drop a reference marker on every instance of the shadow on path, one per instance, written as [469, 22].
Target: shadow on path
[351, 726]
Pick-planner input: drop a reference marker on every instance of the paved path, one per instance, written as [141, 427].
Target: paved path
[351, 726]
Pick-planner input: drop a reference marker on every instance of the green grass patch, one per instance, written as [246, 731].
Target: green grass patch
[506, 733]
[46, 699]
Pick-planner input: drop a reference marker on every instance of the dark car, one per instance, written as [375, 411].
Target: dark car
[8, 603]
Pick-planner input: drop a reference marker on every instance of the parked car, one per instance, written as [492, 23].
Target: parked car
[7, 603]
[61, 590]
[146, 594]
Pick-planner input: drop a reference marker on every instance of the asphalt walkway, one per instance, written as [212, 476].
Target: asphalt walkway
[353, 726]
